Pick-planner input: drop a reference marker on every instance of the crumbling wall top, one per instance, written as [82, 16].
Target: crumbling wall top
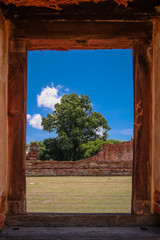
[55, 4]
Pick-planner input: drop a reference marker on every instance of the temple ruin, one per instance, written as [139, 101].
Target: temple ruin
[112, 160]
[82, 24]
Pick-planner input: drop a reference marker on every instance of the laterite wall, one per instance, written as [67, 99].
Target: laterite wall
[114, 159]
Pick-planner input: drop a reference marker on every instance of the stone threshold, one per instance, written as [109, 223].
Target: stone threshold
[80, 233]
[81, 220]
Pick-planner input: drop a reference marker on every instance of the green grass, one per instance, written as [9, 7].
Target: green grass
[79, 194]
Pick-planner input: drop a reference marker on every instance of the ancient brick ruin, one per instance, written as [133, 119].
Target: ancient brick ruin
[112, 160]
[33, 152]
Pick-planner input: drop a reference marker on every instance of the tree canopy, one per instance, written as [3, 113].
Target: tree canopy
[75, 123]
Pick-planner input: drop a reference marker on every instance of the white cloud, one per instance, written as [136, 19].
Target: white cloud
[28, 116]
[67, 89]
[126, 131]
[58, 86]
[100, 131]
[35, 121]
[49, 96]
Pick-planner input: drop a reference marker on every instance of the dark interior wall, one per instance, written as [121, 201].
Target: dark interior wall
[3, 114]
[156, 118]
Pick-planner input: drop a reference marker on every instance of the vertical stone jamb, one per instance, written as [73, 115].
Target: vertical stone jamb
[17, 95]
[142, 163]
[4, 34]
[156, 118]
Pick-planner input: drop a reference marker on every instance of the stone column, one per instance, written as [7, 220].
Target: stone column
[142, 159]
[4, 32]
[156, 119]
[17, 95]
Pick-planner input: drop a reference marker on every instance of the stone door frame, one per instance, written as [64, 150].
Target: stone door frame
[64, 35]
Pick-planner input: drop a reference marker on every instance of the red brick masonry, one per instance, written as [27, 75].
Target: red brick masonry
[113, 159]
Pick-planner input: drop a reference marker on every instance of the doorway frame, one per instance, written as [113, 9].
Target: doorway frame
[65, 35]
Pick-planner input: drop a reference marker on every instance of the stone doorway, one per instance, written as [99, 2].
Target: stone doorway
[140, 49]
[134, 29]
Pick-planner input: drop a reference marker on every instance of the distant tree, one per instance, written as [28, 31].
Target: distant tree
[27, 147]
[91, 148]
[51, 150]
[113, 141]
[39, 143]
[75, 123]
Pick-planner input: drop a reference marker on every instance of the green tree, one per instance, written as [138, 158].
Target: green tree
[113, 141]
[93, 147]
[50, 150]
[39, 143]
[27, 147]
[75, 123]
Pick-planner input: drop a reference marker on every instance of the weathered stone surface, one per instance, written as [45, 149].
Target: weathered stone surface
[156, 118]
[2, 210]
[82, 220]
[142, 66]
[3, 112]
[33, 152]
[17, 96]
[56, 3]
[65, 35]
[114, 159]
[79, 233]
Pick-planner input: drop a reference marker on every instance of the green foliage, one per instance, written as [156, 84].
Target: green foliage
[27, 147]
[50, 150]
[113, 141]
[39, 143]
[75, 123]
[93, 147]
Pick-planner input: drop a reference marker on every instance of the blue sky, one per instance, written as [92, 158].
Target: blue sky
[104, 75]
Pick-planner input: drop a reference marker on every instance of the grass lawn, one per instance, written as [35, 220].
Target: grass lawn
[79, 194]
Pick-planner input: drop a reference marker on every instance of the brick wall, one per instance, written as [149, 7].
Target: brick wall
[113, 159]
